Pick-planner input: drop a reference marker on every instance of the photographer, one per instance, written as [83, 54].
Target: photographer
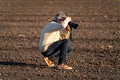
[52, 40]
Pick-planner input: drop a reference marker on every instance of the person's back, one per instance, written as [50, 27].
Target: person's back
[50, 33]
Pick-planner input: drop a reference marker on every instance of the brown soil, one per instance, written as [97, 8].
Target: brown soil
[96, 43]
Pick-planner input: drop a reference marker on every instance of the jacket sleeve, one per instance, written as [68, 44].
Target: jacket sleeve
[65, 22]
[54, 26]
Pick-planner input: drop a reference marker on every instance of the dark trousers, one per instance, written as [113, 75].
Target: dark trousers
[60, 49]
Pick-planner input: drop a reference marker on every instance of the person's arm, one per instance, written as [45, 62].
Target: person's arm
[66, 21]
[53, 26]
[65, 34]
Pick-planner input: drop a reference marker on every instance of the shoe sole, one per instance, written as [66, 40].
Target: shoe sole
[64, 68]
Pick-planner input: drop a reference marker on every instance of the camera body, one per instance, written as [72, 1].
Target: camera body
[73, 25]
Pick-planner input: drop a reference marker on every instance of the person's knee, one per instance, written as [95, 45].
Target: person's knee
[65, 41]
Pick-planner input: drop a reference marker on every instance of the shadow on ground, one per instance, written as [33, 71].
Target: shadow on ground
[10, 63]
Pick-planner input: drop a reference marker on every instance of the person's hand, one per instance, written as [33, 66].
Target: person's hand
[68, 28]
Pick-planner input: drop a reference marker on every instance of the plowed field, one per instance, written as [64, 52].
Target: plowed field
[96, 43]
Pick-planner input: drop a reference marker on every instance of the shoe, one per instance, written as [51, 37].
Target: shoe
[63, 66]
[49, 62]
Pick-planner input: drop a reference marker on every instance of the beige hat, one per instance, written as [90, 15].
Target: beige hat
[59, 15]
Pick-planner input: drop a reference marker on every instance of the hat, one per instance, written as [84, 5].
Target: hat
[59, 15]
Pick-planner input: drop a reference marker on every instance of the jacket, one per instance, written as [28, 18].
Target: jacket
[51, 33]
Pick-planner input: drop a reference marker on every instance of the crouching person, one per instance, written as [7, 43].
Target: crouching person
[54, 38]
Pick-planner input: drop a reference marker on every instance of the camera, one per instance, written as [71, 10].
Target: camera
[73, 25]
